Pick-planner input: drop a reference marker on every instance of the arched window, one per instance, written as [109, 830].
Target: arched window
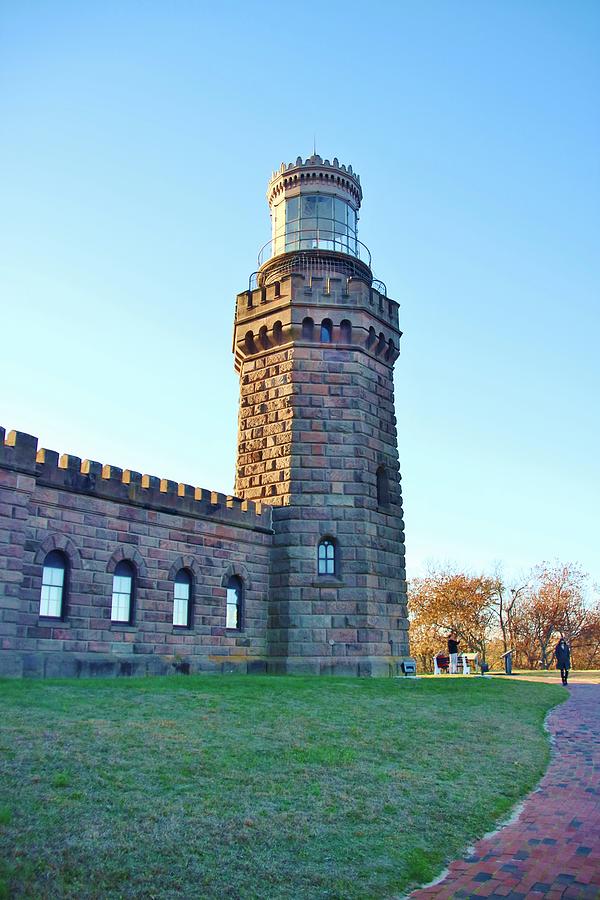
[182, 597]
[326, 557]
[278, 331]
[326, 331]
[308, 327]
[346, 331]
[233, 617]
[53, 585]
[383, 487]
[122, 593]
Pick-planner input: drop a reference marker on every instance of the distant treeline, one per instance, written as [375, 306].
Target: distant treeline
[491, 616]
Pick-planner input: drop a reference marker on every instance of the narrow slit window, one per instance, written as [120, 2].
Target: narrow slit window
[326, 557]
[233, 618]
[53, 585]
[122, 593]
[383, 487]
[182, 599]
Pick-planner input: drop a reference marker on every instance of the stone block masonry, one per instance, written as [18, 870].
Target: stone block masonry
[317, 441]
[303, 570]
[98, 515]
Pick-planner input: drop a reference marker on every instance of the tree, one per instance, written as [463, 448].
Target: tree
[446, 601]
[552, 603]
[589, 640]
[506, 602]
[558, 600]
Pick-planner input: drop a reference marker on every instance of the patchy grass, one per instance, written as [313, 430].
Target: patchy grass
[253, 787]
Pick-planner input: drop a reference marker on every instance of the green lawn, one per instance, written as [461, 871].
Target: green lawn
[256, 787]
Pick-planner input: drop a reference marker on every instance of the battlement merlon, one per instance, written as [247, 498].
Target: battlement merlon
[18, 451]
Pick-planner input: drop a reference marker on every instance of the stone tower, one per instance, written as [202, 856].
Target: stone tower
[315, 343]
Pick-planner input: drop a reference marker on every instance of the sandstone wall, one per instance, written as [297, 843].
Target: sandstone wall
[316, 424]
[98, 515]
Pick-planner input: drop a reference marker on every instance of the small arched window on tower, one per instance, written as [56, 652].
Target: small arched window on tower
[182, 597]
[326, 331]
[263, 338]
[308, 329]
[383, 487]
[235, 590]
[346, 331]
[326, 562]
[54, 579]
[122, 593]
[249, 342]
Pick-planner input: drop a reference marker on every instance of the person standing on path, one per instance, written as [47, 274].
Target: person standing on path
[453, 653]
[563, 659]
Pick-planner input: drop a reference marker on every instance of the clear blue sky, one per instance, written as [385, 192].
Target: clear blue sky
[136, 144]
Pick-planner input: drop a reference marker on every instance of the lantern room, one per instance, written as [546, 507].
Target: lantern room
[314, 205]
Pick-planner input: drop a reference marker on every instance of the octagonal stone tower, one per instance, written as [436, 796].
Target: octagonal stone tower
[315, 343]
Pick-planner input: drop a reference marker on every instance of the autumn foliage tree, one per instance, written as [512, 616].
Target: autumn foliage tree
[588, 650]
[446, 601]
[553, 604]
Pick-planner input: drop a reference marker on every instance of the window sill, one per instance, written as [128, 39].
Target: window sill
[325, 581]
[122, 626]
[53, 620]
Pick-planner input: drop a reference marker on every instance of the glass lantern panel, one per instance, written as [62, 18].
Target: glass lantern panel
[309, 207]
[325, 210]
[340, 210]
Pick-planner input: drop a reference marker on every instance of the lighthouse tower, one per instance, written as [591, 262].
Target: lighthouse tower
[315, 342]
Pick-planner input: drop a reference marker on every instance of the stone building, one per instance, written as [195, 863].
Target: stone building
[104, 570]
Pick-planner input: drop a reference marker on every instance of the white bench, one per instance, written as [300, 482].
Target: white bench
[441, 663]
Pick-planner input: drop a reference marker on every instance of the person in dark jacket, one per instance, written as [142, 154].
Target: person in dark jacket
[453, 653]
[563, 659]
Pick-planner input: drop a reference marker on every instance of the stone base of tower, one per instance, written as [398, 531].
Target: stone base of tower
[367, 666]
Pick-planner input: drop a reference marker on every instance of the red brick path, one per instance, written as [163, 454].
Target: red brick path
[553, 849]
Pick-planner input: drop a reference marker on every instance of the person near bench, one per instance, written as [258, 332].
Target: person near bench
[453, 653]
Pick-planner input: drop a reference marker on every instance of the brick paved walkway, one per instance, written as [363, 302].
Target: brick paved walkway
[553, 849]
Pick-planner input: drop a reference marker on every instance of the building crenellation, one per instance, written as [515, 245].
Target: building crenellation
[108, 570]
[66, 472]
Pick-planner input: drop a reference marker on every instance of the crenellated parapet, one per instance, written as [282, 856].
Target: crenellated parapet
[315, 172]
[19, 452]
[304, 309]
